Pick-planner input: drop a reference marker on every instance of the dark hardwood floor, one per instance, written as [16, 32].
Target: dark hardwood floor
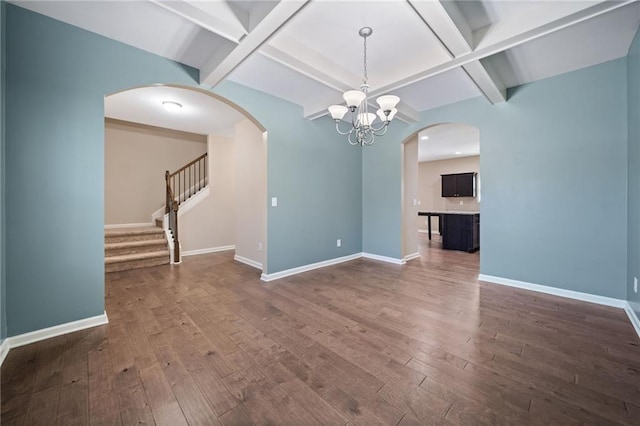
[362, 342]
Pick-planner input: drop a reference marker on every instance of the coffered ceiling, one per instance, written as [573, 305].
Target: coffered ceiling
[430, 53]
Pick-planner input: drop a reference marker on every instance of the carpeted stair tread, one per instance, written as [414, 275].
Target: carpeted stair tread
[140, 243]
[132, 234]
[136, 256]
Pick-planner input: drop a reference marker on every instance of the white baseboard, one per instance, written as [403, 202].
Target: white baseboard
[426, 231]
[411, 256]
[4, 350]
[249, 262]
[129, 225]
[310, 267]
[207, 250]
[635, 322]
[49, 332]
[393, 260]
[570, 294]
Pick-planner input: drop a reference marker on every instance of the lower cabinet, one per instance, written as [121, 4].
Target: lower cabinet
[461, 232]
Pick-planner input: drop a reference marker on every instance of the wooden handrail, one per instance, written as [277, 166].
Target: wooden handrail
[191, 177]
[186, 166]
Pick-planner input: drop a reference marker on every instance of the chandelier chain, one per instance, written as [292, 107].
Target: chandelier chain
[366, 78]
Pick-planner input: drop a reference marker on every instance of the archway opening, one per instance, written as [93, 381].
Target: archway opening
[215, 156]
[441, 191]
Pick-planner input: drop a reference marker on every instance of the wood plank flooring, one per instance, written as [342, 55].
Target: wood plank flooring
[363, 342]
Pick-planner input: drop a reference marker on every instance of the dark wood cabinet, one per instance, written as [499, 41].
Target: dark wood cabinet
[459, 185]
[461, 232]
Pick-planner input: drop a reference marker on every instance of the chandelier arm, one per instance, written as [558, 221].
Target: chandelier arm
[356, 142]
[381, 131]
[340, 131]
[384, 124]
[368, 141]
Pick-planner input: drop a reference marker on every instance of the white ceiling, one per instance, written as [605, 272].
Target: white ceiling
[200, 113]
[429, 52]
[448, 140]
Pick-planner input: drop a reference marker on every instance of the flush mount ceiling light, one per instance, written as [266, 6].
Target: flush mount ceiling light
[364, 127]
[171, 106]
[424, 138]
[458, 152]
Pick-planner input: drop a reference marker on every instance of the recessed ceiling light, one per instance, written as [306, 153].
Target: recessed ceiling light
[424, 137]
[171, 106]
[458, 153]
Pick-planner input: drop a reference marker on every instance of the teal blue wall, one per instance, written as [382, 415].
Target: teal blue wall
[317, 177]
[381, 174]
[554, 175]
[3, 309]
[633, 219]
[57, 76]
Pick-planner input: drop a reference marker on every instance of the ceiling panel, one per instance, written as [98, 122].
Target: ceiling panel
[591, 42]
[442, 89]
[199, 113]
[401, 44]
[266, 75]
[137, 23]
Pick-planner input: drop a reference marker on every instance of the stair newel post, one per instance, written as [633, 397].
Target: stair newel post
[167, 199]
[173, 220]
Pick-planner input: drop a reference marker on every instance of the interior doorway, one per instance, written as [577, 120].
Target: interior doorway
[215, 153]
[452, 150]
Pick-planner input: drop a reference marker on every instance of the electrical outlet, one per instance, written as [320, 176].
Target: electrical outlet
[415, 202]
[259, 246]
[635, 284]
[461, 203]
[274, 201]
[339, 243]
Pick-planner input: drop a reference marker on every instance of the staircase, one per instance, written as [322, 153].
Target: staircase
[131, 248]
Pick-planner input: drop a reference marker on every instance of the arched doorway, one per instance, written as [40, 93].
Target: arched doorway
[436, 150]
[210, 143]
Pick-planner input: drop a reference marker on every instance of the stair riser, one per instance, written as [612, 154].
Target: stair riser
[134, 250]
[135, 264]
[130, 238]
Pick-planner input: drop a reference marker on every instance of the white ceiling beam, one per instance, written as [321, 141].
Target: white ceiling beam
[216, 70]
[336, 81]
[487, 81]
[497, 47]
[456, 36]
[216, 17]
[289, 61]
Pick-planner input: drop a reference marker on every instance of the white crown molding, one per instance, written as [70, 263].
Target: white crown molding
[49, 332]
[387, 259]
[207, 250]
[130, 225]
[249, 262]
[412, 256]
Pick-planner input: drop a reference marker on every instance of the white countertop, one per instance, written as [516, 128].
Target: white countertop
[450, 212]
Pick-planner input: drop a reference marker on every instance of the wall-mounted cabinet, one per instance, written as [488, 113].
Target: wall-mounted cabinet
[459, 185]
